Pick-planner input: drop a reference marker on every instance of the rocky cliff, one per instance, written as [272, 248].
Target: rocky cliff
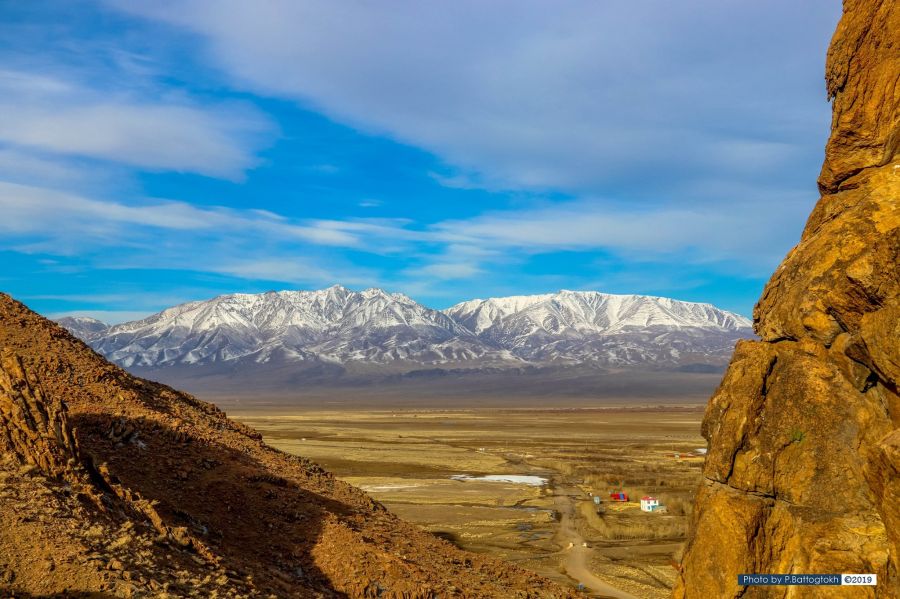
[115, 486]
[803, 472]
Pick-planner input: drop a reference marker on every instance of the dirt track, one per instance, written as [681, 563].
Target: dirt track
[576, 554]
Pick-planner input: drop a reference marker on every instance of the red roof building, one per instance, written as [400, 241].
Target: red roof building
[649, 504]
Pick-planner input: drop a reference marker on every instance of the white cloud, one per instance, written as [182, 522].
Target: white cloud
[446, 270]
[251, 244]
[174, 138]
[745, 234]
[32, 85]
[297, 270]
[86, 222]
[262, 245]
[21, 166]
[64, 118]
[133, 298]
[518, 94]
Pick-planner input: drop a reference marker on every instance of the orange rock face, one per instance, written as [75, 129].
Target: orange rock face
[803, 471]
[861, 76]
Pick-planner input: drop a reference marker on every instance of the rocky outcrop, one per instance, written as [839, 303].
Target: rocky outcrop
[33, 429]
[803, 470]
[861, 77]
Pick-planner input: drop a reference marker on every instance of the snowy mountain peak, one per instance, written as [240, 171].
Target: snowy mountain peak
[83, 327]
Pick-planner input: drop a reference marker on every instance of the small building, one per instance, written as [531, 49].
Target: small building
[618, 496]
[700, 451]
[649, 504]
[596, 499]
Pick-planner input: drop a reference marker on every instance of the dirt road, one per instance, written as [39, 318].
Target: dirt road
[576, 555]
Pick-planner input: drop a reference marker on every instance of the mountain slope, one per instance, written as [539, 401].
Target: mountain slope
[803, 469]
[115, 486]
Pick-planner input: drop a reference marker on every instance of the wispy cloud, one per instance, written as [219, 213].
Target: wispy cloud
[24, 165]
[445, 271]
[263, 245]
[133, 298]
[71, 119]
[681, 135]
[171, 235]
[69, 220]
[750, 236]
[292, 269]
[516, 95]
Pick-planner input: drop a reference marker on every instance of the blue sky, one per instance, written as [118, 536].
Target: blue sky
[154, 153]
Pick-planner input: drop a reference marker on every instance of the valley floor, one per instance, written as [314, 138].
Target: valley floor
[408, 458]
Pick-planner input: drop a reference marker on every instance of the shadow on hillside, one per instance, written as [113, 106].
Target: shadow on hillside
[261, 525]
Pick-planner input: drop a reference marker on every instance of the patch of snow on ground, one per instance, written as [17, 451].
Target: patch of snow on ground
[376, 488]
[519, 479]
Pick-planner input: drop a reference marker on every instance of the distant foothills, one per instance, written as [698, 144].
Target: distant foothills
[569, 342]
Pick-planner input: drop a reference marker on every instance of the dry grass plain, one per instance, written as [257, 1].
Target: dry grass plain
[406, 458]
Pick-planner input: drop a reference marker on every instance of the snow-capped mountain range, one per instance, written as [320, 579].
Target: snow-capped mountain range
[591, 327]
[373, 329]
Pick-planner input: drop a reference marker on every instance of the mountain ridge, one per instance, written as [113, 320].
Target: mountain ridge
[518, 303]
[358, 329]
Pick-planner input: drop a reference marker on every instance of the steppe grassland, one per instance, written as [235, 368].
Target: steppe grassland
[405, 458]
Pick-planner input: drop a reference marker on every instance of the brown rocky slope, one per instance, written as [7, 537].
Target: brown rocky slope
[115, 486]
[803, 472]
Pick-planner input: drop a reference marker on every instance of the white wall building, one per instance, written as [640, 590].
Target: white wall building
[648, 504]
